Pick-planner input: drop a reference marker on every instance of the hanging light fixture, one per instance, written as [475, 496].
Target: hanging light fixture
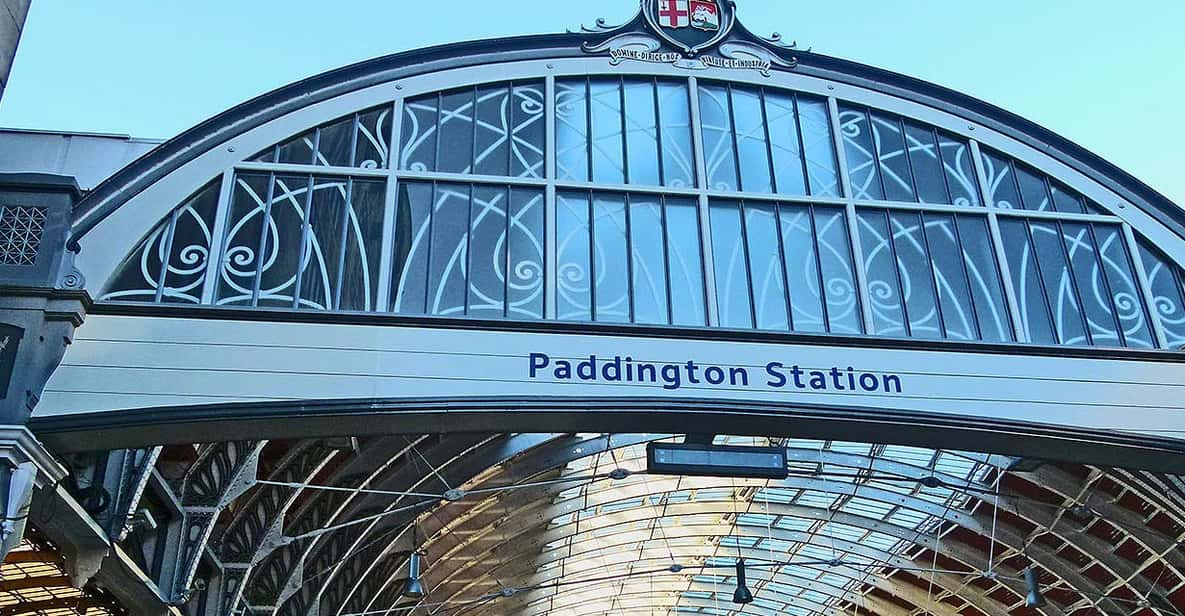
[414, 589]
[742, 595]
[1034, 598]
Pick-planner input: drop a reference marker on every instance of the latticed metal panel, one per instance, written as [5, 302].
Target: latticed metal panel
[21, 229]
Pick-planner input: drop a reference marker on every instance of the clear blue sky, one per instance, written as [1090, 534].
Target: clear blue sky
[1109, 75]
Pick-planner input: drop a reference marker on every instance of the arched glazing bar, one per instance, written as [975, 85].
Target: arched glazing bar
[662, 201]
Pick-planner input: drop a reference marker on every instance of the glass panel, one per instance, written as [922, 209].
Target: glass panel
[298, 150]
[916, 273]
[785, 148]
[836, 266]
[719, 157]
[950, 279]
[752, 149]
[611, 265]
[1026, 279]
[884, 289]
[817, 141]
[863, 171]
[321, 249]
[1001, 182]
[526, 268]
[1168, 294]
[448, 257]
[1065, 200]
[678, 165]
[892, 158]
[413, 232]
[335, 143]
[732, 275]
[182, 240]
[641, 127]
[244, 233]
[281, 241]
[983, 274]
[802, 268]
[364, 230]
[574, 294]
[189, 248]
[960, 172]
[649, 260]
[765, 258]
[608, 165]
[455, 126]
[374, 137]
[1034, 193]
[685, 262]
[1060, 291]
[1126, 295]
[571, 122]
[492, 147]
[1090, 284]
[528, 129]
[418, 136]
[927, 166]
[487, 252]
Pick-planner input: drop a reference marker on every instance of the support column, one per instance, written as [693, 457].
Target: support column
[42, 301]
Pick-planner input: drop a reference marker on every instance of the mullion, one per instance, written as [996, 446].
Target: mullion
[509, 137]
[629, 258]
[436, 137]
[666, 255]
[662, 172]
[341, 257]
[785, 272]
[507, 260]
[732, 130]
[769, 144]
[806, 172]
[302, 260]
[876, 155]
[468, 245]
[748, 263]
[592, 259]
[966, 274]
[267, 214]
[950, 195]
[473, 148]
[316, 146]
[930, 262]
[167, 255]
[354, 139]
[824, 311]
[625, 149]
[588, 130]
[430, 248]
[897, 272]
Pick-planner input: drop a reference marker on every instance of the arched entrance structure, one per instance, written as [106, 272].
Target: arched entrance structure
[427, 303]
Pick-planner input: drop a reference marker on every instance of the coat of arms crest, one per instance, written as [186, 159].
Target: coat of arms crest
[690, 25]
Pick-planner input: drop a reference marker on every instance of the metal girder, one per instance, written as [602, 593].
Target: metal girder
[479, 540]
[134, 467]
[263, 509]
[222, 473]
[320, 558]
[463, 472]
[464, 526]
